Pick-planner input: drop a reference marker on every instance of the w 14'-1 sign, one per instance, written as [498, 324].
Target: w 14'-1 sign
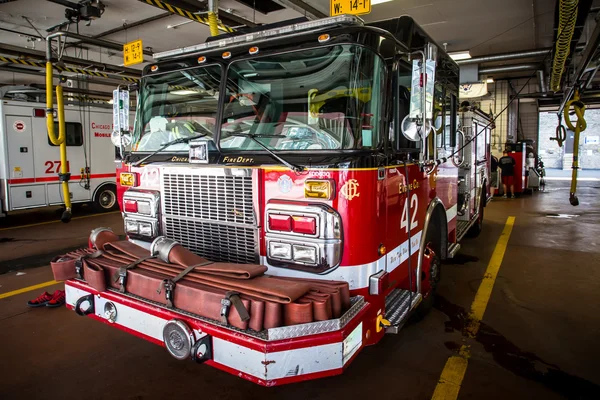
[355, 7]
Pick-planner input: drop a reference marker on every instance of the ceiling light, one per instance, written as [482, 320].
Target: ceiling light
[489, 80]
[373, 2]
[111, 101]
[184, 92]
[460, 55]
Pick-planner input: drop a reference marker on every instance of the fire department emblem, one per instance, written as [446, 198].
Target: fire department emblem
[285, 183]
[350, 189]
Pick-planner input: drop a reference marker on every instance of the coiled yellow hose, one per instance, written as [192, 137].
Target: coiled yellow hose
[213, 23]
[567, 17]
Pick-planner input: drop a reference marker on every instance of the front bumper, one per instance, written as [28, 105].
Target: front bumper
[284, 355]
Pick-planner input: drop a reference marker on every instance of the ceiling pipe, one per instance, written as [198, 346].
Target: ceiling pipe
[37, 55]
[83, 39]
[505, 57]
[510, 56]
[303, 8]
[541, 80]
[94, 80]
[507, 68]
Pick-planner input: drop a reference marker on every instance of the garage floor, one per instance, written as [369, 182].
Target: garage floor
[538, 339]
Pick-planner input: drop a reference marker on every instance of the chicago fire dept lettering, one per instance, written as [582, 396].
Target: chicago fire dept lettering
[350, 189]
[179, 159]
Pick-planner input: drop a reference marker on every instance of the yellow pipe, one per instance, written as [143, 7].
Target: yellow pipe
[213, 24]
[61, 139]
[579, 127]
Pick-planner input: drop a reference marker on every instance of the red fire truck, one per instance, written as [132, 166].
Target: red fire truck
[325, 150]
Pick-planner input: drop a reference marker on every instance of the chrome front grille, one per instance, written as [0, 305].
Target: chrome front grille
[210, 211]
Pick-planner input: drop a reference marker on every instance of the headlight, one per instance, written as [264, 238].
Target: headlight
[131, 226]
[141, 228]
[305, 254]
[282, 251]
[145, 228]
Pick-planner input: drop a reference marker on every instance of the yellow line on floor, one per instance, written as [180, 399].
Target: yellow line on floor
[454, 371]
[57, 221]
[487, 284]
[27, 289]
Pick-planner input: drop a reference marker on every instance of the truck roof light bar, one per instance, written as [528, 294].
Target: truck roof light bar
[250, 37]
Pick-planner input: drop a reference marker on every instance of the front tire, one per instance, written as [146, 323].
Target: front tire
[477, 227]
[431, 278]
[106, 199]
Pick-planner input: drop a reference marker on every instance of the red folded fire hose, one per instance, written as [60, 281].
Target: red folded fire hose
[238, 295]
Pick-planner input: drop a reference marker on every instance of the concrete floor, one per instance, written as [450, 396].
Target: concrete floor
[539, 337]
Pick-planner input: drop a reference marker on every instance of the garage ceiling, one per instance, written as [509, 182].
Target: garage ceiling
[481, 26]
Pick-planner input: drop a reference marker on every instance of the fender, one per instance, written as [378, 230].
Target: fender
[433, 205]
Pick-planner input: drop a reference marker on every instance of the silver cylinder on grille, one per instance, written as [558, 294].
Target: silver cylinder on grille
[179, 339]
[161, 247]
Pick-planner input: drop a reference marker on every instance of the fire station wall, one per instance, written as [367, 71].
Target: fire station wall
[519, 121]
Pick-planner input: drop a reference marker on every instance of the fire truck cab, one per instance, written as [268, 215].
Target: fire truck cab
[323, 150]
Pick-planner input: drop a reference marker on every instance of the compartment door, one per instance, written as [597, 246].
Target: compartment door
[20, 149]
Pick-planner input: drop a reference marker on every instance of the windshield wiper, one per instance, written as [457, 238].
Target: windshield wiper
[165, 145]
[253, 137]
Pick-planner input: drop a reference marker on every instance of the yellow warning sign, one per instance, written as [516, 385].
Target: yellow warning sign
[133, 53]
[355, 7]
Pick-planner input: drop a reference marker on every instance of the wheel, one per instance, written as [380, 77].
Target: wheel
[477, 227]
[106, 199]
[431, 278]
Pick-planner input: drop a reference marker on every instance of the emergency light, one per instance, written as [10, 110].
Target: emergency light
[266, 34]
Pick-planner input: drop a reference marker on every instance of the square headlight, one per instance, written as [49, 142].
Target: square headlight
[281, 251]
[131, 226]
[305, 254]
[145, 228]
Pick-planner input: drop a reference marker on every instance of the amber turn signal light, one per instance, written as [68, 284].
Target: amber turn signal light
[318, 189]
[128, 179]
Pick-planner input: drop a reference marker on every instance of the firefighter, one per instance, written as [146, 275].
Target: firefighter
[507, 166]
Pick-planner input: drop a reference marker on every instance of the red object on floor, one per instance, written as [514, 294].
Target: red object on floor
[41, 300]
[58, 299]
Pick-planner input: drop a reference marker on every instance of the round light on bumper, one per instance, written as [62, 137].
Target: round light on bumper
[179, 339]
[110, 312]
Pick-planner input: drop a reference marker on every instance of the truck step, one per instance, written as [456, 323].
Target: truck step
[397, 308]
[462, 227]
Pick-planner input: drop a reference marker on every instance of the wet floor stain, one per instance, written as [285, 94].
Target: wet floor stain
[462, 259]
[509, 356]
[563, 216]
[5, 240]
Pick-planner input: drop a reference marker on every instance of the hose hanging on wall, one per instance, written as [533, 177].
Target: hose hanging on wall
[579, 126]
[566, 26]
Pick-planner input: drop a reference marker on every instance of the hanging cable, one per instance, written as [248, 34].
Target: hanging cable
[579, 126]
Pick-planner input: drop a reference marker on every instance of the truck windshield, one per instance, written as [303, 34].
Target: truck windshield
[177, 105]
[326, 98]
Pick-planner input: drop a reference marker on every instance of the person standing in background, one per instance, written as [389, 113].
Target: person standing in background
[507, 166]
[494, 176]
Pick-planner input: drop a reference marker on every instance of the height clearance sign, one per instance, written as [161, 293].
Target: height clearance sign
[355, 7]
[133, 53]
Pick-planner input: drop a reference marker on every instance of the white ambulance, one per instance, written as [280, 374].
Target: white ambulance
[30, 163]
